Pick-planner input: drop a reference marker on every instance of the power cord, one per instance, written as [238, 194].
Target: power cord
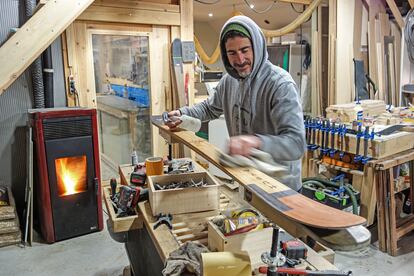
[263, 11]
[207, 3]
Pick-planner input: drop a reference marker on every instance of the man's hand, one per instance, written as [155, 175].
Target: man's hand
[174, 120]
[242, 145]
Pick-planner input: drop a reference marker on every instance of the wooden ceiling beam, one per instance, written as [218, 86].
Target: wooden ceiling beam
[21, 49]
[304, 2]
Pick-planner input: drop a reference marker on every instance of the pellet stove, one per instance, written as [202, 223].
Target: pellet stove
[68, 187]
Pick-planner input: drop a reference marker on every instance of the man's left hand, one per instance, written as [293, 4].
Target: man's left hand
[242, 144]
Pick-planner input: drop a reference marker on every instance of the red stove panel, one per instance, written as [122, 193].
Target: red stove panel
[68, 187]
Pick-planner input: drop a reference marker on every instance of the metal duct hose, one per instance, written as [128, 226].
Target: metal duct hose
[36, 67]
[48, 77]
[409, 34]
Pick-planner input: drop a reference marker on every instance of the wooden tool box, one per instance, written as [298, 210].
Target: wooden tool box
[183, 200]
[120, 224]
[253, 242]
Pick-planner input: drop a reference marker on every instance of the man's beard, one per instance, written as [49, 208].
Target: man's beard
[242, 74]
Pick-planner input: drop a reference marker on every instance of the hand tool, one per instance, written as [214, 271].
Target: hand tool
[322, 144]
[126, 196]
[389, 130]
[141, 194]
[274, 258]
[332, 150]
[139, 175]
[342, 134]
[113, 187]
[294, 249]
[367, 136]
[313, 126]
[164, 219]
[296, 271]
[307, 132]
[327, 131]
[359, 134]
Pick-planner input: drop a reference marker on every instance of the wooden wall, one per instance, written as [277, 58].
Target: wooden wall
[162, 20]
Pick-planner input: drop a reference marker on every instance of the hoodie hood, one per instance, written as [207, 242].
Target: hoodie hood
[258, 43]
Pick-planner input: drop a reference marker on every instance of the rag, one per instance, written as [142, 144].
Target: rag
[186, 259]
[258, 159]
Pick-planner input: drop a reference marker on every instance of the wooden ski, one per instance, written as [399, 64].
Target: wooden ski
[267, 194]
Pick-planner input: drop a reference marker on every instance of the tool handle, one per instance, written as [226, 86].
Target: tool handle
[275, 241]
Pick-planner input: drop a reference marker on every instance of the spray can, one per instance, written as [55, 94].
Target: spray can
[134, 158]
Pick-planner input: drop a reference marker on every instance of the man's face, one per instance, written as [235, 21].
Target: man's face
[240, 54]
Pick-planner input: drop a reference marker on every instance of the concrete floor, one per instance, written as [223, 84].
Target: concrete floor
[94, 254]
[98, 255]
[372, 262]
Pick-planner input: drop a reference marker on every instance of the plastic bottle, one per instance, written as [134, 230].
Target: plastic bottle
[134, 158]
[359, 111]
[190, 123]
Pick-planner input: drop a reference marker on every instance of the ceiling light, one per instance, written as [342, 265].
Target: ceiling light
[210, 14]
[251, 6]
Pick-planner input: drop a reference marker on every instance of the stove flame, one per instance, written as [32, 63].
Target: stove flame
[71, 175]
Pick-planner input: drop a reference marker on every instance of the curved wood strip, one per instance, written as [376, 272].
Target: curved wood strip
[277, 196]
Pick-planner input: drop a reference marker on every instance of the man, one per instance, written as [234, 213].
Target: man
[259, 101]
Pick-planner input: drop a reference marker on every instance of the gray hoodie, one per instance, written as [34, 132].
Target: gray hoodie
[265, 104]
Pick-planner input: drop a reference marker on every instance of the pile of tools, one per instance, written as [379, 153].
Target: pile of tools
[126, 199]
[329, 138]
[174, 166]
[181, 185]
[283, 259]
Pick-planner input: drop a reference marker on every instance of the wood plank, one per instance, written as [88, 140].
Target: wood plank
[396, 33]
[396, 13]
[332, 53]
[138, 5]
[19, 51]
[345, 44]
[159, 81]
[282, 201]
[127, 15]
[392, 219]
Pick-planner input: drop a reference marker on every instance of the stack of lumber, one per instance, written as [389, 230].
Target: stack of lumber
[348, 112]
[9, 222]
[384, 50]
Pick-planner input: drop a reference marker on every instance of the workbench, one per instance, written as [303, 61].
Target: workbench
[148, 249]
[122, 122]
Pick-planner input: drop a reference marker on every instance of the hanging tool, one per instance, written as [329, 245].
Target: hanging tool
[322, 134]
[342, 133]
[333, 131]
[307, 132]
[314, 126]
[367, 137]
[359, 134]
[327, 132]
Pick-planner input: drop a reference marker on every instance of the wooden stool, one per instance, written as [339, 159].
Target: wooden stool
[391, 228]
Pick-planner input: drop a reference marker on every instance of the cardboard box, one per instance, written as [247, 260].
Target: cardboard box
[120, 224]
[183, 200]
[253, 242]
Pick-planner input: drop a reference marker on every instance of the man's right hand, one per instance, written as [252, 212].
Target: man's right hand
[174, 119]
